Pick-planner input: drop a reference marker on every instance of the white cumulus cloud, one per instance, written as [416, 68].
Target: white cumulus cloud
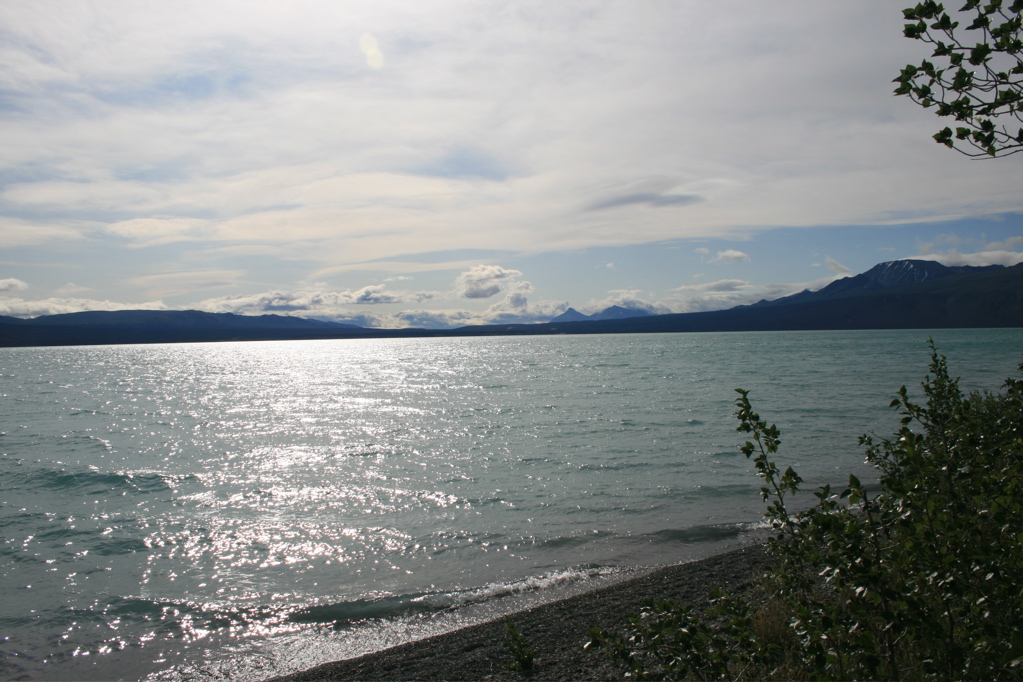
[11, 284]
[317, 303]
[56, 306]
[1008, 244]
[981, 258]
[484, 281]
[730, 256]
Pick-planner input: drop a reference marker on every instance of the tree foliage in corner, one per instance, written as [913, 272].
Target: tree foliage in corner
[977, 75]
[919, 581]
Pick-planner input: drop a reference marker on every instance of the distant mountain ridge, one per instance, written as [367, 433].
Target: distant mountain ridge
[882, 276]
[571, 315]
[896, 295]
[161, 326]
[908, 294]
[179, 319]
[615, 312]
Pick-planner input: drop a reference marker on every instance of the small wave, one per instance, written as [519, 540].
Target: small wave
[717, 492]
[364, 609]
[696, 534]
[103, 442]
[174, 618]
[359, 610]
[574, 540]
[617, 465]
[88, 482]
[116, 546]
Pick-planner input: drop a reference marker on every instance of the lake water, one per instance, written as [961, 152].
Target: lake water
[241, 510]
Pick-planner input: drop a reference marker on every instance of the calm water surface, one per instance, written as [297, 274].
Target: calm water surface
[246, 509]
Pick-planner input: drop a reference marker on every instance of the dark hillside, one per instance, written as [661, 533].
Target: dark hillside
[969, 298]
[900, 295]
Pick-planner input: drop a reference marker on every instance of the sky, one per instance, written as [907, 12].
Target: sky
[406, 163]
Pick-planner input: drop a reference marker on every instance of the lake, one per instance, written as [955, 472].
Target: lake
[247, 509]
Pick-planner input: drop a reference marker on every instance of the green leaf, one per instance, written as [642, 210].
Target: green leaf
[944, 137]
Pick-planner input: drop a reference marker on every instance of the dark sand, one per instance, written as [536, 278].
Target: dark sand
[556, 631]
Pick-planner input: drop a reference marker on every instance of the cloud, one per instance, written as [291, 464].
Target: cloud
[21, 232]
[942, 239]
[516, 307]
[484, 281]
[718, 295]
[375, 294]
[348, 136]
[270, 128]
[513, 311]
[436, 319]
[157, 231]
[720, 286]
[1006, 245]
[11, 284]
[731, 256]
[319, 303]
[647, 199]
[71, 288]
[371, 49]
[465, 162]
[837, 267]
[56, 306]
[175, 283]
[394, 266]
[728, 293]
[981, 258]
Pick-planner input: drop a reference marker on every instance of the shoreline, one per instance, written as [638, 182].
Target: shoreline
[556, 631]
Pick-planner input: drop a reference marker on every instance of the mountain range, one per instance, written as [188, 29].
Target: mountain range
[905, 294]
[883, 276]
[615, 312]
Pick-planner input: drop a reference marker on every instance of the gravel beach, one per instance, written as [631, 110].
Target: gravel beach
[556, 632]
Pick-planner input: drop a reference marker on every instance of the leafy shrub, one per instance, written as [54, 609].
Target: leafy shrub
[921, 581]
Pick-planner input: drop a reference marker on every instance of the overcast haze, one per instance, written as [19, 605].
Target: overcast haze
[443, 163]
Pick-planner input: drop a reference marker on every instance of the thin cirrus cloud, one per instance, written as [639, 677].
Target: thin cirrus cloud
[142, 232]
[648, 199]
[272, 124]
[720, 286]
[173, 284]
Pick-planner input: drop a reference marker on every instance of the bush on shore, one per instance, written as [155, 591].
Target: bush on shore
[919, 582]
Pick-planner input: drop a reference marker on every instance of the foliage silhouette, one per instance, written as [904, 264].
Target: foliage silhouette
[979, 84]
